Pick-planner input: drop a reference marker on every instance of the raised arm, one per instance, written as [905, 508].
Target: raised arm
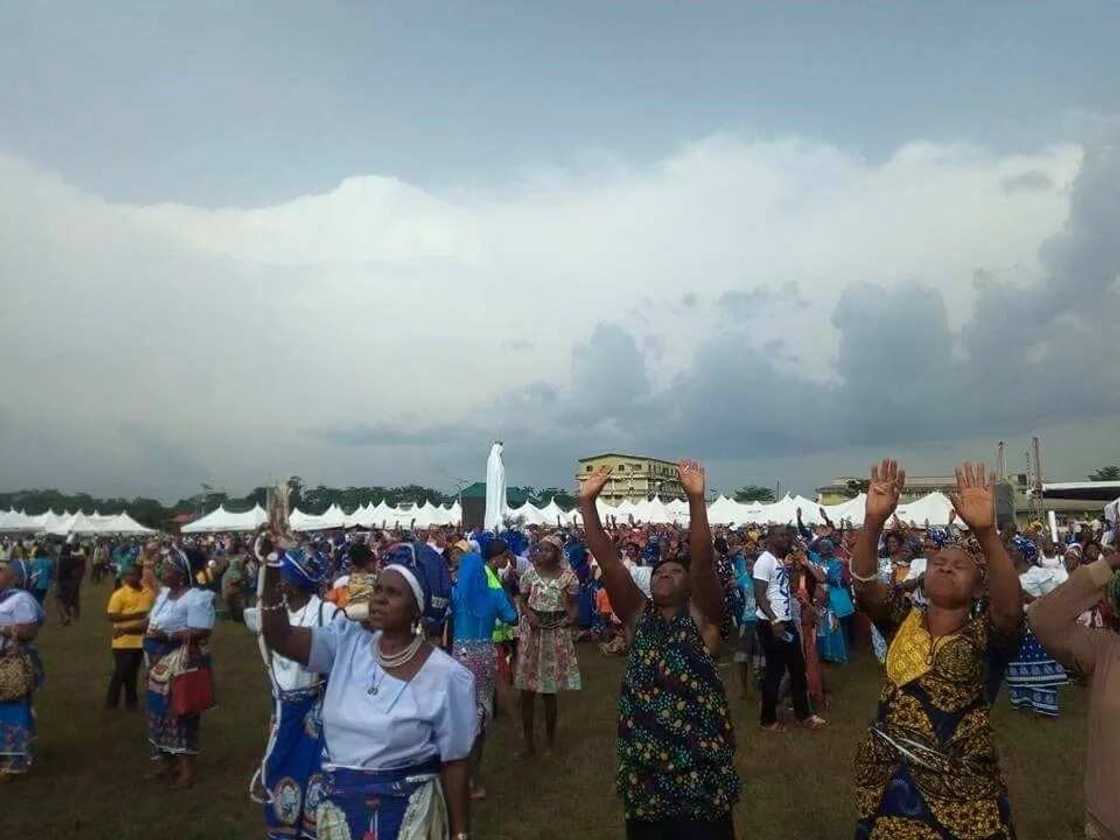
[887, 481]
[824, 516]
[802, 529]
[290, 642]
[707, 592]
[626, 598]
[974, 502]
[1054, 617]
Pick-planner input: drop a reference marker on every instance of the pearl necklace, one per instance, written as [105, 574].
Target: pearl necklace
[395, 660]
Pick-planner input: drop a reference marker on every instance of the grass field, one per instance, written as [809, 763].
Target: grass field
[87, 781]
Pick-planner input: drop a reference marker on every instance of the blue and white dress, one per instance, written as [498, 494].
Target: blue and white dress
[169, 733]
[292, 763]
[385, 740]
[1034, 677]
[17, 721]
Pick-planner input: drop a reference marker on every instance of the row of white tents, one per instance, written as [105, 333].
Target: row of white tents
[64, 524]
[933, 509]
[380, 515]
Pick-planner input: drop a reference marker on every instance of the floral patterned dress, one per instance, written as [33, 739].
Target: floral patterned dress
[546, 656]
[928, 768]
[676, 743]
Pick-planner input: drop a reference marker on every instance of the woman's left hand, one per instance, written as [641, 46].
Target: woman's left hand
[974, 499]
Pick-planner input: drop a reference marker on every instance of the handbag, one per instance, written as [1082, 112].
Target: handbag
[17, 676]
[192, 691]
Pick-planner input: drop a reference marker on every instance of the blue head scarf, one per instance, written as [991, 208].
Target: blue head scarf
[577, 559]
[1025, 547]
[302, 570]
[22, 574]
[472, 587]
[430, 571]
[517, 541]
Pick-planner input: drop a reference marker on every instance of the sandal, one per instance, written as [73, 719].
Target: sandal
[776, 728]
[814, 722]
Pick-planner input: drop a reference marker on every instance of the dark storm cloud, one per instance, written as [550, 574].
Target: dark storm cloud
[1029, 355]
[389, 434]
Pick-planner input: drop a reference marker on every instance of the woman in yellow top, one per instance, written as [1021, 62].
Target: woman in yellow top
[128, 611]
[928, 768]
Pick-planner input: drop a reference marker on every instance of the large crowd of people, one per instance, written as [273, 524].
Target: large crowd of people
[384, 651]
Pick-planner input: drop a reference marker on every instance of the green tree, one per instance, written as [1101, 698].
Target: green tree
[562, 497]
[754, 493]
[856, 486]
[1109, 473]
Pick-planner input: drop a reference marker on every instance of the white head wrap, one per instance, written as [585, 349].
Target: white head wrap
[413, 582]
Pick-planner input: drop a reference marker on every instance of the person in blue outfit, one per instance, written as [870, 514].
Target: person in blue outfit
[20, 620]
[476, 606]
[830, 633]
[290, 776]
[399, 716]
[42, 573]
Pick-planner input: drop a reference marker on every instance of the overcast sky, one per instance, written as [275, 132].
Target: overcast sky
[358, 241]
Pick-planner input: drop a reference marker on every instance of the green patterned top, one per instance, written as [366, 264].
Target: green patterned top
[676, 743]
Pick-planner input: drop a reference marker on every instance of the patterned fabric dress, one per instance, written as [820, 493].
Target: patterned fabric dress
[928, 768]
[676, 744]
[17, 720]
[1034, 677]
[546, 656]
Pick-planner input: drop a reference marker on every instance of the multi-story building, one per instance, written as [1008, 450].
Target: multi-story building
[634, 477]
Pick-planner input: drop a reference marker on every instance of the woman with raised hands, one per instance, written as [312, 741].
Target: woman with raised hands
[928, 767]
[676, 743]
[399, 715]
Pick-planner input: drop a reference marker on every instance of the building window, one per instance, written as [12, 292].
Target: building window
[622, 468]
[588, 468]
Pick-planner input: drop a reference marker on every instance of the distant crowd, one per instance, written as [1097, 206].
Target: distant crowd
[385, 650]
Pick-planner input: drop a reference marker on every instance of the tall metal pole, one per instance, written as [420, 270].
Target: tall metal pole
[1036, 450]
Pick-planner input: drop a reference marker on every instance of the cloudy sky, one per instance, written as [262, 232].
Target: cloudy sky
[358, 241]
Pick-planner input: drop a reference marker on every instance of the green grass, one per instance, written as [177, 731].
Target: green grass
[87, 781]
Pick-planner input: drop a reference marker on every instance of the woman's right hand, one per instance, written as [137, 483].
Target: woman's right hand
[883, 491]
[592, 485]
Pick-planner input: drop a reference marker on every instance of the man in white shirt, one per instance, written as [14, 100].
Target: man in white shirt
[779, 634]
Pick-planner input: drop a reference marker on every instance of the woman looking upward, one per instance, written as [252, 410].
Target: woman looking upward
[928, 767]
[676, 744]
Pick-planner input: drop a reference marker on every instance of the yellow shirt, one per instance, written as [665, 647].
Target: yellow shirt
[128, 600]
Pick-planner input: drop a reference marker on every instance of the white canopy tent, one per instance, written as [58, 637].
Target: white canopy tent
[934, 509]
[221, 519]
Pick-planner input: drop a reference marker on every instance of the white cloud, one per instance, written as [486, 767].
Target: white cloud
[227, 334]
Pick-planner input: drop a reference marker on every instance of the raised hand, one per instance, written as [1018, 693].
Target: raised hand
[887, 481]
[691, 476]
[975, 500]
[592, 485]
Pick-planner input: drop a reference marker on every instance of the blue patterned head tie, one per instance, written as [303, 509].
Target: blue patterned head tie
[938, 536]
[1026, 548]
[302, 569]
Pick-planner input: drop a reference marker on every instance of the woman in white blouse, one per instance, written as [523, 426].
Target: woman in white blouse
[179, 624]
[398, 715]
